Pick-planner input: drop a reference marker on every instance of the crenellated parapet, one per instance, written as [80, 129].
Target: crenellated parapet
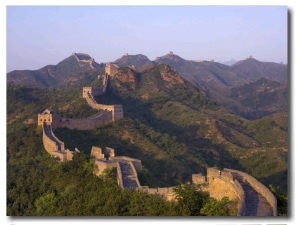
[126, 167]
[48, 116]
[166, 193]
[89, 123]
[238, 185]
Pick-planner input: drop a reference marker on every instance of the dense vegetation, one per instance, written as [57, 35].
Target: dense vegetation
[38, 185]
[175, 130]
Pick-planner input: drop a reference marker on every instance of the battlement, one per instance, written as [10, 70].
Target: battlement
[166, 193]
[92, 91]
[48, 116]
[126, 167]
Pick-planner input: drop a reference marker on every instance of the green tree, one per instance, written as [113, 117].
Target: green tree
[46, 205]
[190, 200]
[224, 207]
[282, 200]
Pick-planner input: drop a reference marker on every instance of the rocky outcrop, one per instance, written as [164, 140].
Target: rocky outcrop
[126, 75]
[170, 75]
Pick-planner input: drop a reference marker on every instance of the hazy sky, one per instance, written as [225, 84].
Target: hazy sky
[42, 35]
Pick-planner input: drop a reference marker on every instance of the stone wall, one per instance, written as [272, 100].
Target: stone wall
[221, 184]
[241, 195]
[136, 162]
[49, 144]
[258, 186]
[54, 146]
[82, 57]
[212, 173]
[111, 69]
[91, 90]
[102, 164]
[198, 178]
[107, 159]
[227, 176]
[109, 152]
[50, 141]
[119, 176]
[49, 117]
[104, 84]
[166, 193]
[86, 123]
[63, 156]
[116, 110]
[97, 153]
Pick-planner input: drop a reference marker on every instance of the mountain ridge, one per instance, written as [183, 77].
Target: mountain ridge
[218, 81]
[141, 62]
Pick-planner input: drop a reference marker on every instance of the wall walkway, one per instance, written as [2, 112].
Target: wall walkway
[130, 181]
[50, 141]
[266, 202]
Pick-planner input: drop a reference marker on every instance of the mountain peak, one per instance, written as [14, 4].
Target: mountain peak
[83, 57]
[139, 62]
[170, 56]
[230, 62]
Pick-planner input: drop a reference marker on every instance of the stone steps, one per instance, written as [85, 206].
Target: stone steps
[128, 177]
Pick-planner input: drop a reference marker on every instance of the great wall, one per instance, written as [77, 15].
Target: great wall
[254, 199]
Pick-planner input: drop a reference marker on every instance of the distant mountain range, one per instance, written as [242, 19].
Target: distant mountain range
[222, 83]
[52, 75]
[230, 62]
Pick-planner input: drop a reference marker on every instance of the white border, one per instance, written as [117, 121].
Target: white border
[292, 6]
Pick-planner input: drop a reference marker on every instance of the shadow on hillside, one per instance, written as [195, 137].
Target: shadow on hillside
[171, 170]
[157, 172]
[281, 180]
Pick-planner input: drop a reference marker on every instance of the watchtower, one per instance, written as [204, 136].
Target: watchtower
[111, 69]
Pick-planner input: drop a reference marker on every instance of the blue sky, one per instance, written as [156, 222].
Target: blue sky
[42, 35]
[23, 52]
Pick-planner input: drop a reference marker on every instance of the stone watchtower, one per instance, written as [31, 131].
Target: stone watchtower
[49, 117]
[86, 91]
[111, 69]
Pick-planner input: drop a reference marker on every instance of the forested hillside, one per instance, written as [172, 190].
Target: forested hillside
[170, 124]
